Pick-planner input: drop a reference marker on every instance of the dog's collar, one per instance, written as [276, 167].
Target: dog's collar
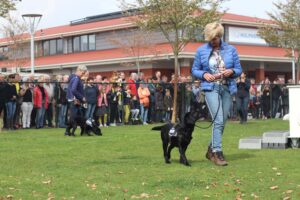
[173, 131]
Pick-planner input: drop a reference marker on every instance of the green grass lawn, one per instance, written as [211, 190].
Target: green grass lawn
[127, 163]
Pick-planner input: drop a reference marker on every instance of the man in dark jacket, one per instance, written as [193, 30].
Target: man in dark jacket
[75, 96]
[2, 99]
[276, 94]
[10, 101]
[242, 97]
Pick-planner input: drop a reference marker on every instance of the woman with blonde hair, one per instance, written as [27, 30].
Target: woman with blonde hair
[217, 65]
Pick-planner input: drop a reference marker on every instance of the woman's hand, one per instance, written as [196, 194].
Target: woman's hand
[207, 76]
[227, 73]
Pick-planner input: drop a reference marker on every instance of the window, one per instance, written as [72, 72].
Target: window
[4, 49]
[84, 42]
[60, 46]
[92, 42]
[76, 44]
[2, 56]
[46, 48]
[70, 45]
[53, 47]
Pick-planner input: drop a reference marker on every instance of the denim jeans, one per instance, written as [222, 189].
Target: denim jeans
[275, 107]
[10, 110]
[40, 115]
[62, 116]
[90, 111]
[218, 101]
[242, 107]
[144, 113]
[167, 116]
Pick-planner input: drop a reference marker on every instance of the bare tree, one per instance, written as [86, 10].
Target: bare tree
[284, 30]
[14, 30]
[136, 43]
[6, 6]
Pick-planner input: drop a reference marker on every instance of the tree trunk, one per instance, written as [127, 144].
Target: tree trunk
[138, 65]
[174, 115]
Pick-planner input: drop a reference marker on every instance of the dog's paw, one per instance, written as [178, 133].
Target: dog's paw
[168, 162]
[188, 164]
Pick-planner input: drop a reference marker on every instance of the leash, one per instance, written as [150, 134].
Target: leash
[213, 121]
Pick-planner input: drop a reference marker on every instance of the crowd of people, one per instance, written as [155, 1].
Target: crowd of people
[120, 99]
[127, 99]
[260, 101]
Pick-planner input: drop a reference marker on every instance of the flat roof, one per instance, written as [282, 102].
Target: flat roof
[101, 57]
[114, 21]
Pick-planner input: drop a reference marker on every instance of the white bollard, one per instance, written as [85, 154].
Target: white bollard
[294, 107]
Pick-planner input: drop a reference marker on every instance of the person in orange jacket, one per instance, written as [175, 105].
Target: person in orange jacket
[144, 94]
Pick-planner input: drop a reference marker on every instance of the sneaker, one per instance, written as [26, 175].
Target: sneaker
[209, 153]
[101, 125]
[112, 124]
[218, 158]
[145, 123]
[105, 125]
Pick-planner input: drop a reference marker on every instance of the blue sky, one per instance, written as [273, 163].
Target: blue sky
[61, 12]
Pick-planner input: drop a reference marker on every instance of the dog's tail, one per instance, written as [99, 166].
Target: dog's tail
[157, 128]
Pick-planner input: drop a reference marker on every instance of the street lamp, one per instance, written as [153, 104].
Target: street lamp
[32, 20]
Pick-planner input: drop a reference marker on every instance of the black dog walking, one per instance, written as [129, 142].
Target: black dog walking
[179, 135]
[88, 126]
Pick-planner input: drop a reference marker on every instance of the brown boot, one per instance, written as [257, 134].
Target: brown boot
[209, 153]
[218, 158]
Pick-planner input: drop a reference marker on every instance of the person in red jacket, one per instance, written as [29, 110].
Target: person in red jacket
[40, 102]
[132, 84]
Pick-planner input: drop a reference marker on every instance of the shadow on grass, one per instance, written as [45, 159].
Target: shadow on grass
[239, 156]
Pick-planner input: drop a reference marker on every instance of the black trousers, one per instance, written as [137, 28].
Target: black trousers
[49, 115]
[114, 114]
[3, 109]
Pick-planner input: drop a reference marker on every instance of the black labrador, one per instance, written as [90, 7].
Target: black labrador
[179, 135]
[87, 127]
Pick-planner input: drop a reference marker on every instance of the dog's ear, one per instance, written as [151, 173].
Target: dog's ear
[196, 105]
[188, 118]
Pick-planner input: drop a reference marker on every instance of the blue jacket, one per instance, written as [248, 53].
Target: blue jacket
[91, 94]
[231, 60]
[75, 88]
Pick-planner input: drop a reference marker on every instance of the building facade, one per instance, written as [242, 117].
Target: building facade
[110, 42]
